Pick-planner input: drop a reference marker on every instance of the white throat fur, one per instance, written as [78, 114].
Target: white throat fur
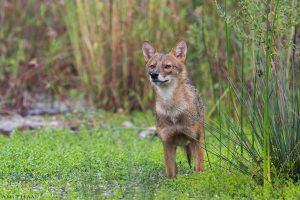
[167, 106]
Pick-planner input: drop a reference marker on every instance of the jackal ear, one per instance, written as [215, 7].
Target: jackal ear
[179, 51]
[148, 51]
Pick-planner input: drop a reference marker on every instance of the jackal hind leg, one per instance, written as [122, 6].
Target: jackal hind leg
[197, 152]
[188, 153]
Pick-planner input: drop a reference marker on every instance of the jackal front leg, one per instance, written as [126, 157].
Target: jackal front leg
[170, 159]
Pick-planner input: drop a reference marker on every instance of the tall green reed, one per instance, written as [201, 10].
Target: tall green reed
[228, 61]
[242, 92]
[266, 148]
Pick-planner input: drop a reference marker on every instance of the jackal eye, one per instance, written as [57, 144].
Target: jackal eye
[152, 66]
[168, 66]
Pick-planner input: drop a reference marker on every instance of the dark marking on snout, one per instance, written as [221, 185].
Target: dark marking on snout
[154, 75]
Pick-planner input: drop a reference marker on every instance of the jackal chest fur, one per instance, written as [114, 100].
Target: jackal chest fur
[174, 108]
[169, 104]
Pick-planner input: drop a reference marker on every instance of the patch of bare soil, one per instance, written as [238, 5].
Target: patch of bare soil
[12, 122]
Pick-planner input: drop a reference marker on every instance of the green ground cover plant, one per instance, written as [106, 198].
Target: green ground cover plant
[112, 163]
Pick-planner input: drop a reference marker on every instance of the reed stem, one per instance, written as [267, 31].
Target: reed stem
[242, 95]
[266, 146]
[228, 70]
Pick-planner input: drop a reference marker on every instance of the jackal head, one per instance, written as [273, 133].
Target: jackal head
[165, 68]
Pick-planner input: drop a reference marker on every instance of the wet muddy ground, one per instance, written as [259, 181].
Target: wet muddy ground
[72, 117]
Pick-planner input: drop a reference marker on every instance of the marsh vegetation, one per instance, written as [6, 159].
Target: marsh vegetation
[243, 57]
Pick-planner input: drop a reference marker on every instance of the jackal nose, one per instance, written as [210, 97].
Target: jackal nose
[154, 76]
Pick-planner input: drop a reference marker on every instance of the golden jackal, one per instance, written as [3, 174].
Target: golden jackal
[179, 111]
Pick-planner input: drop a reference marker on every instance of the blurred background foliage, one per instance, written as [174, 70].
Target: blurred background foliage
[92, 49]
